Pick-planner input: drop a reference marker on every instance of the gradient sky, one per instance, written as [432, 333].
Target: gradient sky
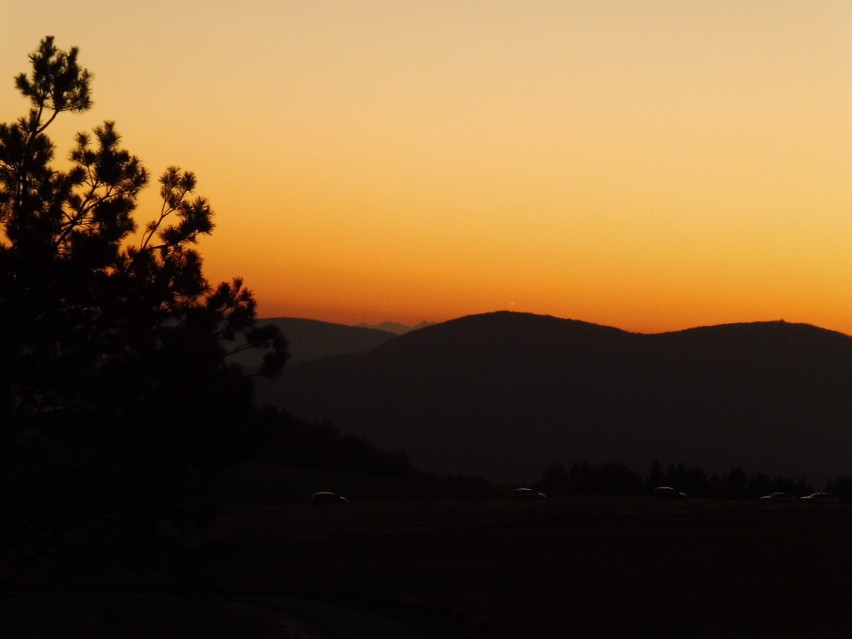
[651, 165]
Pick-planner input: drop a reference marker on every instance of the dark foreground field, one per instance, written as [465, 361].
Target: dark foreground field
[564, 567]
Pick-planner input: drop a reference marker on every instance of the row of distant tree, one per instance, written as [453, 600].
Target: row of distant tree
[281, 438]
[612, 478]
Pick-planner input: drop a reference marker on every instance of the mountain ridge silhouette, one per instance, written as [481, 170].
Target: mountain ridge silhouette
[311, 339]
[505, 394]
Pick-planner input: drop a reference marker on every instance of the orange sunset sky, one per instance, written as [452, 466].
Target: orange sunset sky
[651, 165]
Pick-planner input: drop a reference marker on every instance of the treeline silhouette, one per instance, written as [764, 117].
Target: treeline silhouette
[613, 478]
[279, 437]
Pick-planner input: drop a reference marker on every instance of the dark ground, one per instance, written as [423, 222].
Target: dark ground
[564, 567]
[587, 568]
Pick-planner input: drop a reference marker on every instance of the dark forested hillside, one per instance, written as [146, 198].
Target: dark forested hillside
[506, 394]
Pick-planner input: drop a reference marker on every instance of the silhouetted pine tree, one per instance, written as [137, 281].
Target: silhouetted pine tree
[116, 392]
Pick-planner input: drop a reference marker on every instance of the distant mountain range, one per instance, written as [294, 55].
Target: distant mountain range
[311, 339]
[504, 395]
[395, 327]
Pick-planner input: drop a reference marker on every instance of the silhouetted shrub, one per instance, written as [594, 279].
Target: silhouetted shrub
[617, 479]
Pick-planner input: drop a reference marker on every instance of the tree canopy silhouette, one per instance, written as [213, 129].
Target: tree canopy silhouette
[116, 387]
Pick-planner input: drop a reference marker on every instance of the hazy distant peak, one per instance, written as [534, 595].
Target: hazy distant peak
[520, 321]
[311, 339]
[762, 330]
[395, 327]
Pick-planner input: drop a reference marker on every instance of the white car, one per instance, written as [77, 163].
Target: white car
[526, 493]
[783, 497]
[820, 498]
[327, 497]
[667, 492]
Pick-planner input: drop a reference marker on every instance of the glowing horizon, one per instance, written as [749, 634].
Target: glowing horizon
[646, 165]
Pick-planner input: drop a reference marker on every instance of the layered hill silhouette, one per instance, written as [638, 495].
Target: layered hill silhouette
[311, 339]
[504, 395]
[396, 328]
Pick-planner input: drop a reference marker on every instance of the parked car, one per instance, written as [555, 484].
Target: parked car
[820, 498]
[526, 493]
[667, 492]
[781, 497]
[327, 497]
